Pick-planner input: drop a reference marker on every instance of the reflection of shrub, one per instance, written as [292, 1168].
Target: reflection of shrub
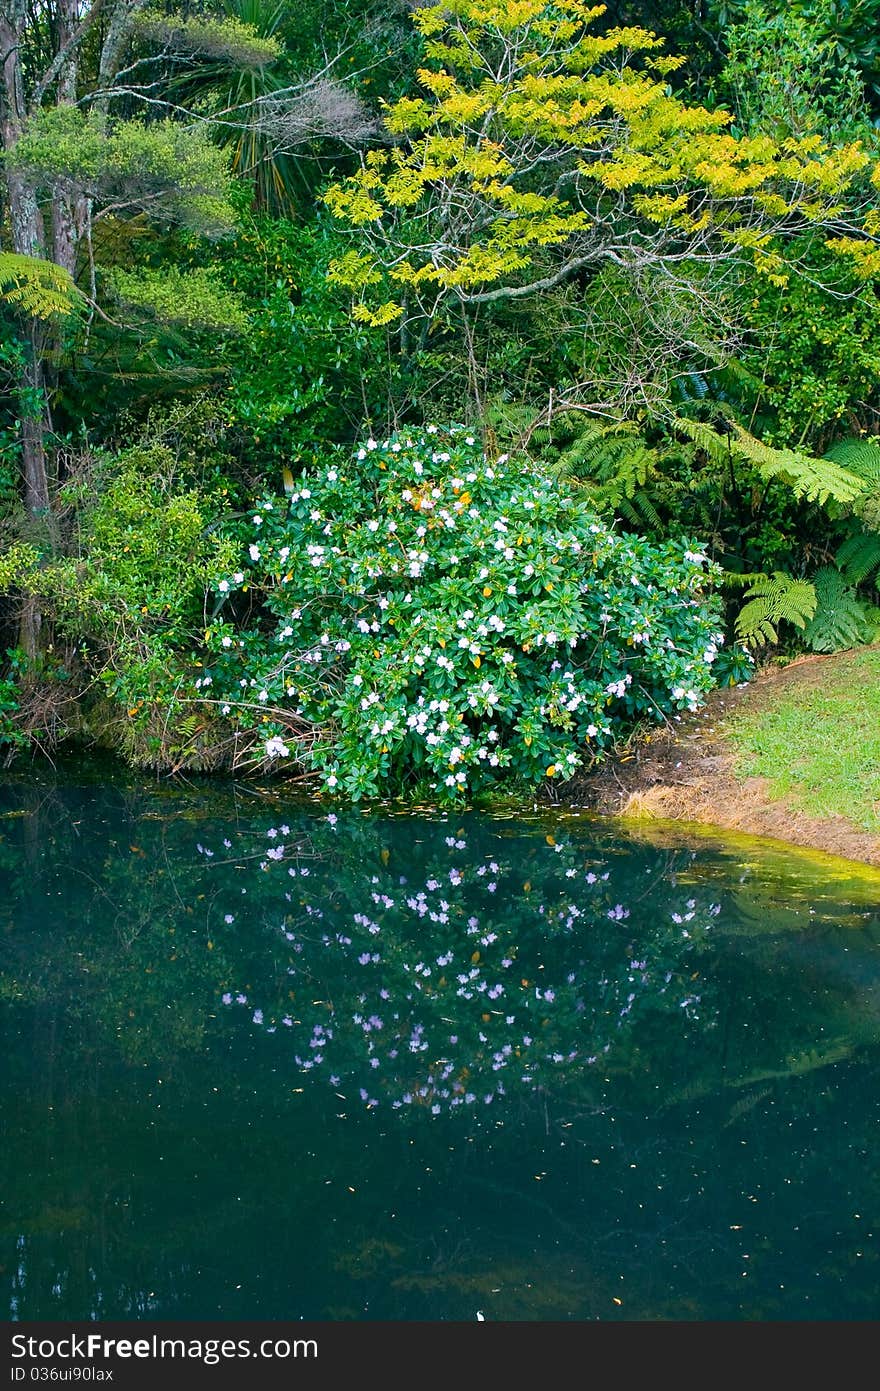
[470, 978]
[441, 618]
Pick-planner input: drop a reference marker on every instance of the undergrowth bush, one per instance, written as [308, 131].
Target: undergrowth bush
[123, 594]
[442, 622]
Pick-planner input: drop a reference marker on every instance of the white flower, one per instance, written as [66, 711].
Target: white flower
[238, 577]
[371, 444]
[258, 520]
[226, 640]
[223, 586]
[276, 748]
[254, 552]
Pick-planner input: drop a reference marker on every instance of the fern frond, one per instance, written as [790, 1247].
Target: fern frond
[814, 479]
[858, 456]
[858, 556]
[36, 288]
[771, 600]
[598, 451]
[872, 622]
[640, 512]
[840, 620]
[733, 579]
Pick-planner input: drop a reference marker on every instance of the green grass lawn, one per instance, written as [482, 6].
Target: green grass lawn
[818, 742]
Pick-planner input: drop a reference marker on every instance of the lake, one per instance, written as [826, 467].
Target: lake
[271, 1059]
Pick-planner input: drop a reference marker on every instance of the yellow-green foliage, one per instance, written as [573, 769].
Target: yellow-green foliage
[529, 125]
[143, 552]
[149, 538]
[173, 171]
[17, 563]
[204, 37]
[35, 288]
[191, 298]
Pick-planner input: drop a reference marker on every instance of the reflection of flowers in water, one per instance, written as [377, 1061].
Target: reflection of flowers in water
[462, 982]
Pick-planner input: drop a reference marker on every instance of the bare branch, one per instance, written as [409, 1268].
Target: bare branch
[63, 54]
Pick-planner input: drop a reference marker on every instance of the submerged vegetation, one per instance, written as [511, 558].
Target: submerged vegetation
[412, 401]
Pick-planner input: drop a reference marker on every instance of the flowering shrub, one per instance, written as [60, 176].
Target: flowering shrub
[441, 621]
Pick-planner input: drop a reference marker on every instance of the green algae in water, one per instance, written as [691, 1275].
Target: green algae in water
[273, 1061]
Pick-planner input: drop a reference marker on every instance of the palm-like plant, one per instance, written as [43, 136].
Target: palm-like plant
[275, 121]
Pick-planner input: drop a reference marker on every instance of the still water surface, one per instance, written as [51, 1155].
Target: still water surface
[261, 1060]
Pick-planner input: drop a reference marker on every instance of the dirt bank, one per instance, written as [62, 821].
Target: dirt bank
[687, 773]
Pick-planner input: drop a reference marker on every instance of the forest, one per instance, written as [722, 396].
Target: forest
[412, 400]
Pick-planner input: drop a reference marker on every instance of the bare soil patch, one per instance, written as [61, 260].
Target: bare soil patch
[686, 772]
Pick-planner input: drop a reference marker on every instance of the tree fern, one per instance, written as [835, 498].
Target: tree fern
[840, 620]
[813, 479]
[35, 288]
[640, 512]
[858, 556]
[771, 600]
[858, 456]
[608, 459]
[872, 622]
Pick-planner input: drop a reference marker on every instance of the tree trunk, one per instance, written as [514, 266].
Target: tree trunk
[28, 239]
[67, 218]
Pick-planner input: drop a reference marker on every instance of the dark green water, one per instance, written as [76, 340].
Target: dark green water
[261, 1062]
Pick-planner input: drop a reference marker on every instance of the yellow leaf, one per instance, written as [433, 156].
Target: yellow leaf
[476, 661]
[385, 856]
[475, 958]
